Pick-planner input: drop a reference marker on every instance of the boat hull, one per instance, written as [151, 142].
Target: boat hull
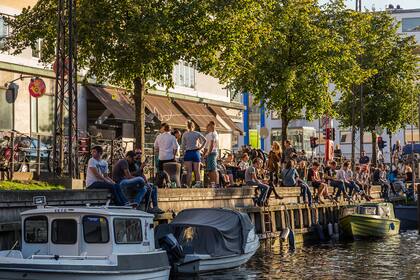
[207, 264]
[363, 226]
[407, 214]
[82, 275]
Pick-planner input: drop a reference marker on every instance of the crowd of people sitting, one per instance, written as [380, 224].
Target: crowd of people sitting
[281, 167]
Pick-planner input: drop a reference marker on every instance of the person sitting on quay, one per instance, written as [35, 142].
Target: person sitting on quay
[192, 143]
[364, 159]
[361, 178]
[231, 168]
[317, 184]
[97, 177]
[380, 178]
[210, 154]
[252, 180]
[122, 176]
[274, 159]
[333, 181]
[346, 175]
[243, 165]
[137, 169]
[290, 178]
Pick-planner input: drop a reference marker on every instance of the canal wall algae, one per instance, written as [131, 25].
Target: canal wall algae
[270, 221]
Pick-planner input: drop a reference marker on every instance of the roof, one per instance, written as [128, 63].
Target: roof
[106, 211]
[403, 11]
[115, 101]
[165, 110]
[221, 113]
[199, 114]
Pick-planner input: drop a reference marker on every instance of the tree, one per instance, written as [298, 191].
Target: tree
[134, 43]
[388, 92]
[291, 63]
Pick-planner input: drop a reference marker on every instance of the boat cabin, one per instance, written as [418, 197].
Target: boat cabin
[86, 231]
[384, 210]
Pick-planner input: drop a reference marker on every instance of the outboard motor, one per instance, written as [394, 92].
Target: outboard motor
[172, 248]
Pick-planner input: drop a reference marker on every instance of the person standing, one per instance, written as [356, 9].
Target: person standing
[288, 152]
[274, 158]
[166, 146]
[97, 176]
[210, 153]
[192, 142]
[122, 176]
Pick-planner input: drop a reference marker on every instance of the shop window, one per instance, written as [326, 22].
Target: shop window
[36, 229]
[411, 24]
[64, 231]
[95, 229]
[6, 112]
[184, 74]
[127, 231]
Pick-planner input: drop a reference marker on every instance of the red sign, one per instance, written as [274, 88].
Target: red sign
[37, 87]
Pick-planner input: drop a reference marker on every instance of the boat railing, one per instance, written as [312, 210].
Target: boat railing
[56, 257]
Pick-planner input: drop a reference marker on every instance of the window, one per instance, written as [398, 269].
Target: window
[36, 51]
[184, 74]
[127, 231]
[42, 111]
[6, 112]
[4, 31]
[36, 229]
[411, 24]
[64, 231]
[95, 229]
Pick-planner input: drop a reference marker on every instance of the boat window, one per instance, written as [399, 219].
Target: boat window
[127, 231]
[95, 229]
[36, 229]
[64, 231]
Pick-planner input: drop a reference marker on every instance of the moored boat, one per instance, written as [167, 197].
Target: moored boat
[85, 243]
[407, 214]
[369, 220]
[208, 239]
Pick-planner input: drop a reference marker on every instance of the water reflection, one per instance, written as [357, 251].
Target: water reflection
[394, 258]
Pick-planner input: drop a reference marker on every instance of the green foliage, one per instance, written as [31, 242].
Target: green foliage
[28, 186]
[390, 92]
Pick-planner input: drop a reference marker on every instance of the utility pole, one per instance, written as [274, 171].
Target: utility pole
[361, 125]
[65, 151]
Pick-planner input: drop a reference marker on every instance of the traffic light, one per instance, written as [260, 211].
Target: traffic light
[381, 143]
[313, 142]
[333, 134]
[327, 133]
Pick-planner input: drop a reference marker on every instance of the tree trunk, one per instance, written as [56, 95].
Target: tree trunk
[139, 124]
[374, 149]
[284, 125]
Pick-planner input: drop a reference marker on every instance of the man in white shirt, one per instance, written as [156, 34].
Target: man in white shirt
[210, 152]
[97, 176]
[166, 146]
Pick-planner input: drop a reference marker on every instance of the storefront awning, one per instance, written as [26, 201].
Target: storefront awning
[165, 111]
[115, 101]
[221, 113]
[200, 114]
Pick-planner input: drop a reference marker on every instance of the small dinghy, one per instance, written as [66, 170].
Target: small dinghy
[208, 239]
[114, 243]
[369, 220]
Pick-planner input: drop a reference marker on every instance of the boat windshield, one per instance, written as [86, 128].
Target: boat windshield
[36, 229]
[95, 229]
[127, 231]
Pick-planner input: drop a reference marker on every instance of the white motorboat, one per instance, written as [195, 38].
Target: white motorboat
[202, 240]
[85, 243]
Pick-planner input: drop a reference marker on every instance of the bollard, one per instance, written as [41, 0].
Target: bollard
[38, 156]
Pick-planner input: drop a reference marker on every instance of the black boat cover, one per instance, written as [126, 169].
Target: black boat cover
[212, 231]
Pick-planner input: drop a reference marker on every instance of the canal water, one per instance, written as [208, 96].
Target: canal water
[395, 258]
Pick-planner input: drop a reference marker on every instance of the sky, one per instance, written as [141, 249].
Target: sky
[380, 4]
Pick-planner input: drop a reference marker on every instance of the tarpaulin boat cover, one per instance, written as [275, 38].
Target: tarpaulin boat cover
[212, 231]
